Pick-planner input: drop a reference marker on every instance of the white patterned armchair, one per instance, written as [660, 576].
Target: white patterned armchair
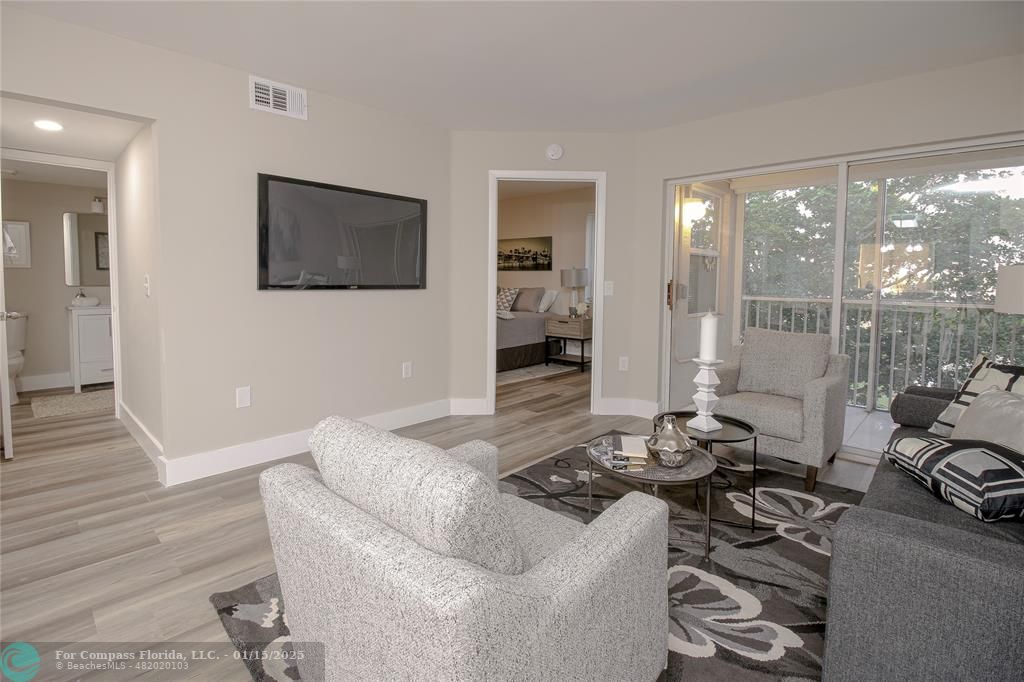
[407, 562]
[793, 390]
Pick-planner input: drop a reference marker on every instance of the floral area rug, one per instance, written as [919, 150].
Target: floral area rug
[253, 616]
[754, 611]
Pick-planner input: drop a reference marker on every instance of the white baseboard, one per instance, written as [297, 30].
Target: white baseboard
[42, 382]
[470, 406]
[153, 448]
[177, 470]
[406, 416]
[628, 406]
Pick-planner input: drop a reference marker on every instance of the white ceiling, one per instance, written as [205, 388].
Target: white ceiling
[85, 135]
[55, 175]
[566, 65]
[510, 189]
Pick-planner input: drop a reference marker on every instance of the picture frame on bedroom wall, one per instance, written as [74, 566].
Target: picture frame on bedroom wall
[526, 254]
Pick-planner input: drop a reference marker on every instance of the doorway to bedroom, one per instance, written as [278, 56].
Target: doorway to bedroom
[545, 262]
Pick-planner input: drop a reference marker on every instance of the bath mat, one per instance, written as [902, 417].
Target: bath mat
[72, 403]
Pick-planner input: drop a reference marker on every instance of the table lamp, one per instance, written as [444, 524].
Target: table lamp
[1009, 289]
[575, 279]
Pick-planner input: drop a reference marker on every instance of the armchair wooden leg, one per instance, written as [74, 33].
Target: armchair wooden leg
[810, 479]
[832, 459]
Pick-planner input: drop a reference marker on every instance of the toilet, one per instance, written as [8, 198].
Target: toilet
[16, 330]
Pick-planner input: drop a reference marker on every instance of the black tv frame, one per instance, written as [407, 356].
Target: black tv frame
[263, 229]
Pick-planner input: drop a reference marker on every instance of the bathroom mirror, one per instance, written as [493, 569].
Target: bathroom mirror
[86, 250]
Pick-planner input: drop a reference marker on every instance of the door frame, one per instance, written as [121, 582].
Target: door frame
[676, 257]
[842, 163]
[599, 179]
[107, 167]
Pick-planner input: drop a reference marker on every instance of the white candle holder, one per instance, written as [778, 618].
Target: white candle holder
[705, 397]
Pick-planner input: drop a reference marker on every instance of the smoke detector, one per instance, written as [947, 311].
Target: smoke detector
[277, 98]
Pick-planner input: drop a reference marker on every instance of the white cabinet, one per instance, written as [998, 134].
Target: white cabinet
[92, 346]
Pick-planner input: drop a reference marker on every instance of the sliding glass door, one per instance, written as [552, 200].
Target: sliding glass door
[924, 239]
[789, 237]
[909, 292]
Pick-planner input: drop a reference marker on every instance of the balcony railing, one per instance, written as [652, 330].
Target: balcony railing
[928, 344]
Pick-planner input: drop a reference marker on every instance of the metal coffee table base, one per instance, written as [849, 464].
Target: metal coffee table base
[655, 486]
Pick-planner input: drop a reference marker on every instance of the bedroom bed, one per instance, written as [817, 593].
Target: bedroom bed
[521, 340]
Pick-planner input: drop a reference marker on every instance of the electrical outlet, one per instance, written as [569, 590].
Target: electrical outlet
[609, 288]
[623, 363]
[243, 396]
[407, 369]
[145, 284]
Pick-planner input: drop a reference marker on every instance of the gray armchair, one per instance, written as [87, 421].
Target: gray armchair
[406, 562]
[793, 390]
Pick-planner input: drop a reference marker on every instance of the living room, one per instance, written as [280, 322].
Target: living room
[229, 379]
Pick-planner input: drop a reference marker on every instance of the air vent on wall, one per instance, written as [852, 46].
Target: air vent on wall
[277, 98]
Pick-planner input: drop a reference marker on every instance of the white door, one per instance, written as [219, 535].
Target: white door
[694, 290]
[5, 377]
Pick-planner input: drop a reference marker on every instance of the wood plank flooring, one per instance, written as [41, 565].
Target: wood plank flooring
[93, 548]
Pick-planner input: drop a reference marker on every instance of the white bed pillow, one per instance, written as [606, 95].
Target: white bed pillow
[548, 300]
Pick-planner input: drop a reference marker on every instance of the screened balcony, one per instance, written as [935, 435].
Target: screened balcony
[898, 262]
[895, 259]
[928, 345]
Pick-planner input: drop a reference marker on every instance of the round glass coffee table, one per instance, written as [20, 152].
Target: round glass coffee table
[602, 452]
[733, 431]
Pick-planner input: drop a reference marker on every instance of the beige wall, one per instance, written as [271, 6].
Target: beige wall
[473, 155]
[40, 290]
[138, 249]
[559, 215]
[305, 354]
[313, 353]
[985, 98]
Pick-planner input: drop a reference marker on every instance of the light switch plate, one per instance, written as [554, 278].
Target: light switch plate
[623, 363]
[243, 396]
[609, 288]
[407, 369]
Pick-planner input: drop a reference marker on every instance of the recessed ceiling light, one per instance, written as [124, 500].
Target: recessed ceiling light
[52, 126]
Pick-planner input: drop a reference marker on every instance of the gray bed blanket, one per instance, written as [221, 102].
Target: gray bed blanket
[525, 329]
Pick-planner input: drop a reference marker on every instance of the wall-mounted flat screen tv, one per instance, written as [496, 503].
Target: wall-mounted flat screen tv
[318, 236]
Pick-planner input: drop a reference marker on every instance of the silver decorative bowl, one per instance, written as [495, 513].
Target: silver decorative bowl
[671, 458]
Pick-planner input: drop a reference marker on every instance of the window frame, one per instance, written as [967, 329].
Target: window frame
[708, 194]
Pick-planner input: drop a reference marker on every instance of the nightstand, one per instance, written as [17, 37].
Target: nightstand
[563, 328]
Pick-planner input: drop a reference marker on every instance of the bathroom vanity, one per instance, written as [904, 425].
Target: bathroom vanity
[92, 345]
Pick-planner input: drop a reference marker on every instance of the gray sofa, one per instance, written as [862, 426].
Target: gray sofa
[407, 563]
[919, 590]
[807, 429]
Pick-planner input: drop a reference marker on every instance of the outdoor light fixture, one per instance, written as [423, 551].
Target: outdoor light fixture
[691, 209]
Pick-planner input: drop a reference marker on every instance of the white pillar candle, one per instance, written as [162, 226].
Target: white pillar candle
[708, 337]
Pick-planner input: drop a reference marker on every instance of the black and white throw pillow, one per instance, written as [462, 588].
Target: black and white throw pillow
[980, 478]
[984, 375]
[506, 297]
